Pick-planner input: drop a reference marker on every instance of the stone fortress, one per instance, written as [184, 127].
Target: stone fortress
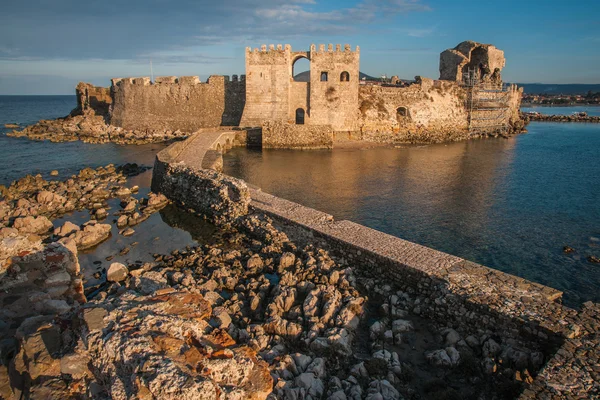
[334, 105]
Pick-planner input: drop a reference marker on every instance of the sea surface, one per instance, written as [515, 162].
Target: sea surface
[511, 204]
[566, 110]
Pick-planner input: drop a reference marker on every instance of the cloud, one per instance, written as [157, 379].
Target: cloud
[132, 29]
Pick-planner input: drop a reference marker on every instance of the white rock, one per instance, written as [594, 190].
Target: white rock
[117, 272]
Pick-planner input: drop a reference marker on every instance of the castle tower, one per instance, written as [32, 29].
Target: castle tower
[267, 84]
[334, 81]
[330, 97]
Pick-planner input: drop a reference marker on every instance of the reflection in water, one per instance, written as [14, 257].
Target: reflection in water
[508, 204]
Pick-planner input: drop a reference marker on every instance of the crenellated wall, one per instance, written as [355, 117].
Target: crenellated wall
[183, 103]
[329, 98]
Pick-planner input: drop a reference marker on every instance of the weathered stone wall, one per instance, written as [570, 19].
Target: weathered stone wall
[291, 136]
[268, 79]
[334, 101]
[92, 99]
[183, 104]
[187, 172]
[469, 55]
[427, 111]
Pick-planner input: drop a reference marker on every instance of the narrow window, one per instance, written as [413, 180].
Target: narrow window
[300, 116]
[344, 77]
[323, 76]
[402, 112]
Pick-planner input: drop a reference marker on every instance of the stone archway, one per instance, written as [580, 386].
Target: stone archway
[301, 69]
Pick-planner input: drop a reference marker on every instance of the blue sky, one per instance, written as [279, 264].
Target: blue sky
[47, 46]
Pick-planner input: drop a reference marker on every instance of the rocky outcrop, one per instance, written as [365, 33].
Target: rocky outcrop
[218, 197]
[38, 280]
[91, 128]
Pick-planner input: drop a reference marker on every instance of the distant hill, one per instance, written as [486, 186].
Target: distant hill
[305, 77]
[567, 89]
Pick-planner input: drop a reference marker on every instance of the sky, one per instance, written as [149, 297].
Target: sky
[47, 46]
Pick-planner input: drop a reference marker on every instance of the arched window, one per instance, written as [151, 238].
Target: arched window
[300, 116]
[323, 76]
[345, 77]
[402, 112]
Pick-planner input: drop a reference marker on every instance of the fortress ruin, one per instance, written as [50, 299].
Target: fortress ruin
[334, 105]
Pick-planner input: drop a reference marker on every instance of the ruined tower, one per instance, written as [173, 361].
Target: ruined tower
[330, 97]
[470, 56]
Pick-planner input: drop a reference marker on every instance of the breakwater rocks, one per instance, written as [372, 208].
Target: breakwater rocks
[92, 128]
[560, 118]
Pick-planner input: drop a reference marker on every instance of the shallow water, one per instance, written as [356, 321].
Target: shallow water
[510, 204]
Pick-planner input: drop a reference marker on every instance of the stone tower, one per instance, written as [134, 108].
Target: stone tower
[469, 55]
[330, 97]
[334, 80]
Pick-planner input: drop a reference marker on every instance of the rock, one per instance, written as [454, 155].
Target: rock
[122, 221]
[74, 365]
[313, 386]
[91, 235]
[47, 197]
[122, 192]
[156, 201]
[254, 263]
[382, 389]
[452, 337]
[38, 225]
[66, 229]
[128, 232]
[568, 250]
[287, 260]
[94, 318]
[221, 318]
[117, 272]
[149, 282]
[491, 348]
[454, 355]
[402, 325]
[376, 330]
[593, 259]
[54, 173]
[100, 213]
[439, 358]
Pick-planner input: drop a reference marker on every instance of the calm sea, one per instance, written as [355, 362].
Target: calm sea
[21, 156]
[510, 204]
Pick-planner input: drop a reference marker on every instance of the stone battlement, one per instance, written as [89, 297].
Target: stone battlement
[322, 48]
[182, 80]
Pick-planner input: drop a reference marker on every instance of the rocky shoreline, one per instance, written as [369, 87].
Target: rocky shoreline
[560, 118]
[92, 128]
[255, 315]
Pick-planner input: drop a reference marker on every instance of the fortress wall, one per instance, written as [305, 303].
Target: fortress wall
[334, 102]
[267, 84]
[435, 111]
[172, 103]
[276, 134]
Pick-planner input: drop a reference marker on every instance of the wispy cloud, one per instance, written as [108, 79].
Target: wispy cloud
[134, 28]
